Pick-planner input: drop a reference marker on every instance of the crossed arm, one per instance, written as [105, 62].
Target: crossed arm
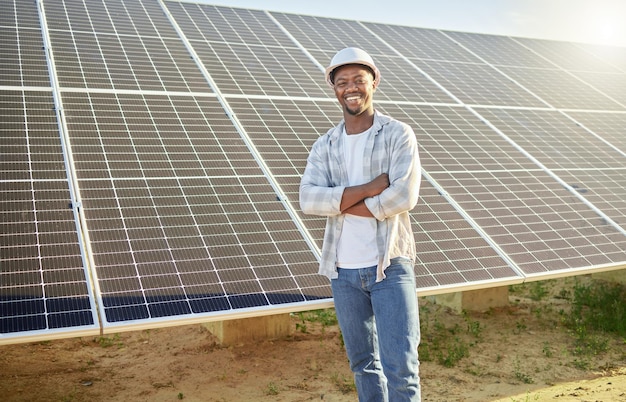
[352, 200]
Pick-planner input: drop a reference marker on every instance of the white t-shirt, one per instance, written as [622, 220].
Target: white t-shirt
[357, 245]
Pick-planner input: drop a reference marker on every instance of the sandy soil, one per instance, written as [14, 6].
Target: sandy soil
[518, 353]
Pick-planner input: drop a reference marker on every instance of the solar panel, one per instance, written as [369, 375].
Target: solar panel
[22, 60]
[243, 55]
[613, 55]
[152, 153]
[119, 45]
[558, 142]
[329, 34]
[422, 44]
[479, 84]
[521, 208]
[613, 85]
[562, 90]
[181, 219]
[592, 164]
[44, 285]
[607, 127]
[499, 50]
[568, 56]
[450, 251]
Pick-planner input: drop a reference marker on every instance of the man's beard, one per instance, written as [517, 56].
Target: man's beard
[354, 112]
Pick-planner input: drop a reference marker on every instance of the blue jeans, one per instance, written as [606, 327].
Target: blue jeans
[380, 327]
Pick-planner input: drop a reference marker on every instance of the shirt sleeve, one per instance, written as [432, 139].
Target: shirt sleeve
[404, 176]
[318, 195]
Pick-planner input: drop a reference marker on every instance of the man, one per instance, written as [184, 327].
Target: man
[364, 176]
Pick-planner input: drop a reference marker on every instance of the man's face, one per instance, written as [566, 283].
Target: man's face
[354, 88]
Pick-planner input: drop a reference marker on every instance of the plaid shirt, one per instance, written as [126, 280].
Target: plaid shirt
[391, 148]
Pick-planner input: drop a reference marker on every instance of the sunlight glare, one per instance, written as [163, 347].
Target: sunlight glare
[604, 22]
[605, 31]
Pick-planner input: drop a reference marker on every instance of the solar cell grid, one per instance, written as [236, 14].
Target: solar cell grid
[613, 85]
[80, 64]
[499, 50]
[43, 282]
[91, 57]
[449, 250]
[479, 84]
[607, 126]
[401, 82]
[284, 130]
[330, 34]
[149, 136]
[561, 90]
[147, 219]
[453, 139]
[31, 147]
[257, 27]
[449, 144]
[554, 140]
[424, 44]
[566, 55]
[604, 188]
[223, 24]
[77, 16]
[21, 14]
[22, 59]
[210, 29]
[535, 213]
[142, 18]
[614, 55]
[241, 69]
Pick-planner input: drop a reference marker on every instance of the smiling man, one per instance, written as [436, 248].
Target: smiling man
[363, 175]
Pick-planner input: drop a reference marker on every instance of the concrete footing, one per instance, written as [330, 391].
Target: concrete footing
[474, 300]
[235, 332]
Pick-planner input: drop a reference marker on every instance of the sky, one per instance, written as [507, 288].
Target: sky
[587, 21]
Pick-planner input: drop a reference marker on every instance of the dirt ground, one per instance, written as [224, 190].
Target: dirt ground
[517, 353]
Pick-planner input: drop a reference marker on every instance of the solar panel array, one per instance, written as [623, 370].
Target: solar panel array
[151, 153]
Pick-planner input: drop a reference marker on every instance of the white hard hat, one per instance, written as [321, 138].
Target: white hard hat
[351, 55]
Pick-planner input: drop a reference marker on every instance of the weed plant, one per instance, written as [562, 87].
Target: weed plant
[325, 317]
[599, 306]
[598, 309]
[594, 312]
